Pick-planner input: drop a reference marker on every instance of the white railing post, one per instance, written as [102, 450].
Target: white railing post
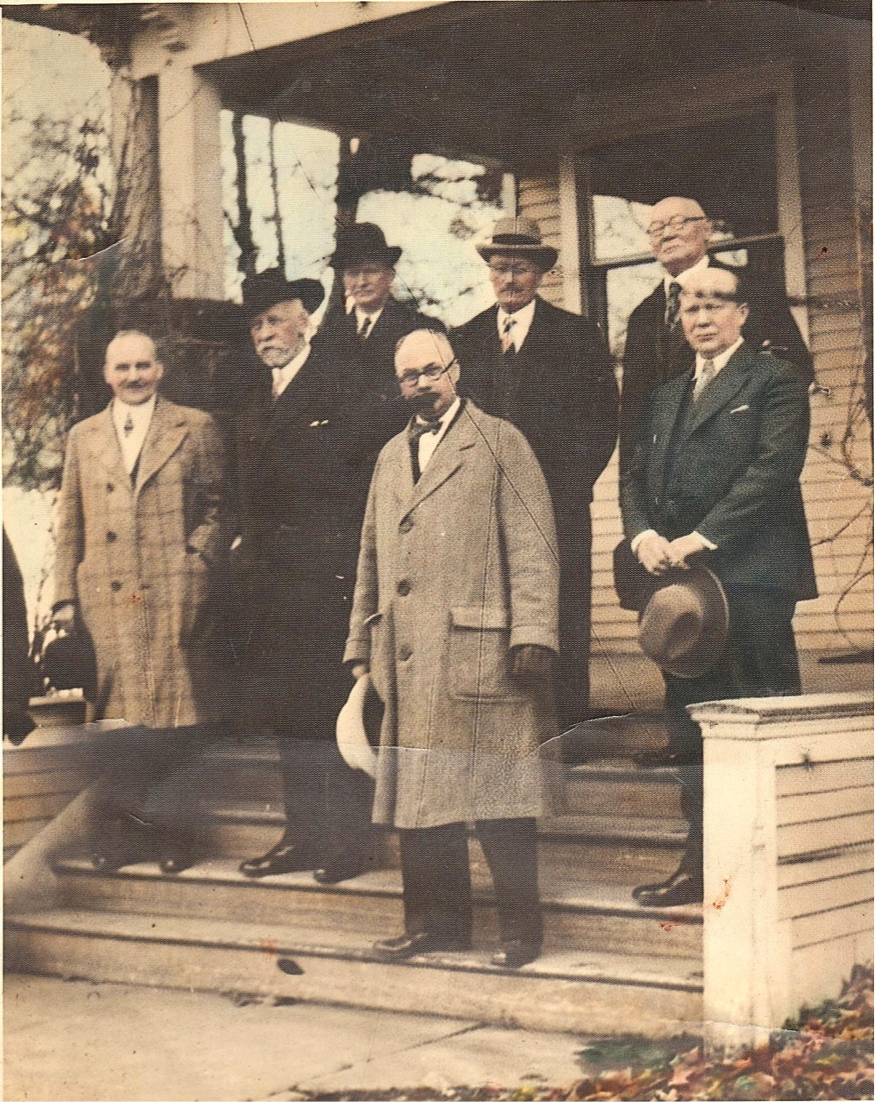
[786, 842]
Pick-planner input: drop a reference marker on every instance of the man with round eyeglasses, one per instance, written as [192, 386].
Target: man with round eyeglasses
[680, 233]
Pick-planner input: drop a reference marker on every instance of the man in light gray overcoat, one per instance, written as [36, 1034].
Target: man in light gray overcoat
[455, 617]
[141, 538]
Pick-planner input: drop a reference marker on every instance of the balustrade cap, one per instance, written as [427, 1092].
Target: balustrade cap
[755, 711]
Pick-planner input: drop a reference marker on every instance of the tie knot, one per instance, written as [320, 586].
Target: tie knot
[421, 428]
[365, 326]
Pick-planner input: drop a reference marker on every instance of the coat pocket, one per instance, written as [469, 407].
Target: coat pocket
[376, 627]
[479, 659]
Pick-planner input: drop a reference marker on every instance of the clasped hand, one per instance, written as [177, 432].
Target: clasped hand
[657, 555]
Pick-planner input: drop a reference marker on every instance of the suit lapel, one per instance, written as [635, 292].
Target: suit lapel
[668, 408]
[166, 432]
[722, 390]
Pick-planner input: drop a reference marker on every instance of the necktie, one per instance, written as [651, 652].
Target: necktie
[708, 373]
[507, 344]
[672, 305]
[418, 429]
[366, 328]
[277, 374]
[128, 426]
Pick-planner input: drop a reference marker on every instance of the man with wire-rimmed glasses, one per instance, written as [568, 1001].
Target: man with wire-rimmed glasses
[455, 619]
[680, 233]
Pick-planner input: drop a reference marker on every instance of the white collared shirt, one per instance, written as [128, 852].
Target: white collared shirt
[719, 361]
[282, 376]
[430, 440]
[139, 418]
[522, 323]
[682, 277]
[360, 317]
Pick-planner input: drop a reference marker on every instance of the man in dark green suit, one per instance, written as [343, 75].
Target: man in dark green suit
[715, 478]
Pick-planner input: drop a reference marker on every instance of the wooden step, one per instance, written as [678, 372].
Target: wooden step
[572, 991]
[593, 917]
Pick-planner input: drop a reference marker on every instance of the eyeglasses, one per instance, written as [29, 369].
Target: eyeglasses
[432, 372]
[657, 229]
[519, 267]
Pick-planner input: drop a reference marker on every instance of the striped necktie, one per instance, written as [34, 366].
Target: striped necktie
[708, 373]
[507, 344]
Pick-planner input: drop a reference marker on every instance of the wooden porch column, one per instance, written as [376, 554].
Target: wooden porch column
[191, 183]
[788, 857]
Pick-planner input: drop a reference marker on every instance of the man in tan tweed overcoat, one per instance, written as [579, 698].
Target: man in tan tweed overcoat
[141, 536]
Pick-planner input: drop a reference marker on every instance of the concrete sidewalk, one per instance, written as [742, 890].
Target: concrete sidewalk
[70, 1040]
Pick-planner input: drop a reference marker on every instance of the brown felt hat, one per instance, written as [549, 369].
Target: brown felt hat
[685, 623]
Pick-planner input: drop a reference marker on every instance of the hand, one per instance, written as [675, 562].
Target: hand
[64, 616]
[682, 548]
[532, 667]
[654, 554]
[359, 670]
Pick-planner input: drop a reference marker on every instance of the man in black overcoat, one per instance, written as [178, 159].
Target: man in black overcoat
[656, 349]
[300, 517]
[548, 372]
[715, 480]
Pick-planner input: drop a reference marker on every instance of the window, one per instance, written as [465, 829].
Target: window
[729, 167]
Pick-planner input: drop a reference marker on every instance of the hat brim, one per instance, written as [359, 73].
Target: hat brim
[545, 256]
[388, 256]
[352, 738]
[715, 621]
[309, 292]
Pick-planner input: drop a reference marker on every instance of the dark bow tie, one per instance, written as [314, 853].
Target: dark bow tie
[418, 429]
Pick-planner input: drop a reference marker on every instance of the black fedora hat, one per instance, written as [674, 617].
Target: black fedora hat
[269, 287]
[363, 241]
[685, 623]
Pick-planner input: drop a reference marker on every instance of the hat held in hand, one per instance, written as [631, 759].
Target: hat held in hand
[352, 738]
[685, 623]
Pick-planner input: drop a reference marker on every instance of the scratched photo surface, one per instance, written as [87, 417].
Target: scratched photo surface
[437, 573]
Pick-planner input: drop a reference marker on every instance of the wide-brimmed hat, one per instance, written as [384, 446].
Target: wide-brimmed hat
[363, 241]
[519, 237]
[351, 731]
[685, 623]
[267, 288]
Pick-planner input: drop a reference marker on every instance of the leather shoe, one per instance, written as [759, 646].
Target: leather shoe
[174, 860]
[411, 945]
[342, 864]
[284, 857]
[516, 953]
[682, 887]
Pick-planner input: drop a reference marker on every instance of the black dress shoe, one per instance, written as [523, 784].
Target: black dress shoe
[175, 859]
[682, 887]
[411, 945]
[516, 953]
[342, 864]
[114, 853]
[284, 857]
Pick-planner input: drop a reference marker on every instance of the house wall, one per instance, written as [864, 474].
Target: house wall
[838, 503]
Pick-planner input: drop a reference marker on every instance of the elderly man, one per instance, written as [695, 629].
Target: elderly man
[455, 617]
[547, 371]
[141, 537]
[298, 467]
[359, 337]
[715, 478]
[656, 350]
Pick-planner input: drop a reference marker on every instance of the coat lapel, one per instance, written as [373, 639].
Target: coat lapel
[722, 390]
[104, 446]
[447, 459]
[669, 404]
[166, 432]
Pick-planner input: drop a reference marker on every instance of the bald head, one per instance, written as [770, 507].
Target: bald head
[679, 233]
[427, 371]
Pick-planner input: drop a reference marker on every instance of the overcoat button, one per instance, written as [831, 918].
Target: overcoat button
[405, 653]
[111, 537]
[115, 586]
[403, 587]
[110, 487]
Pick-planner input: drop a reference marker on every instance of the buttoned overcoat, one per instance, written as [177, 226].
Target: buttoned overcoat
[453, 572]
[142, 560]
